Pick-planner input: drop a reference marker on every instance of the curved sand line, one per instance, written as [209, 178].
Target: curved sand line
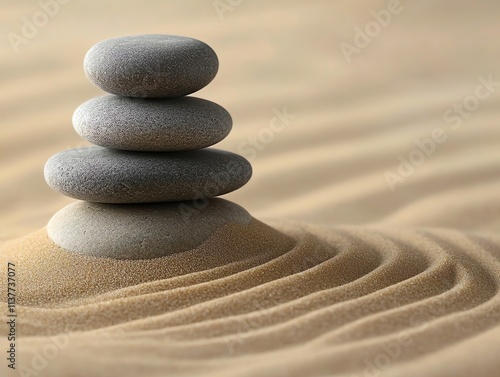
[253, 300]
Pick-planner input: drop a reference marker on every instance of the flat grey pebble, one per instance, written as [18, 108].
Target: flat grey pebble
[152, 124]
[105, 175]
[154, 65]
[140, 231]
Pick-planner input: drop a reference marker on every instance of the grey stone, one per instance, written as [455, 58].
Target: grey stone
[152, 124]
[140, 231]
[105, 175]
[153, 65]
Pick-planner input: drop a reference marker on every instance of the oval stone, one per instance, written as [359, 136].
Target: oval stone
[105, 175]
[140, 231]
[153, 124]
[155, 65]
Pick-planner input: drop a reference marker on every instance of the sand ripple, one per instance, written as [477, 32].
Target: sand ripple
[255, 301]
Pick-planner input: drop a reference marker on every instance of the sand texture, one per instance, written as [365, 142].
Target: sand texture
[338, 274]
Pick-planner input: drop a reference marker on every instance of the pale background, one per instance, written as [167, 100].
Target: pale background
[351, 123]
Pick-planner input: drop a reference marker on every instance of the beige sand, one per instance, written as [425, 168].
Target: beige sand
[356, 279]
[252, 302]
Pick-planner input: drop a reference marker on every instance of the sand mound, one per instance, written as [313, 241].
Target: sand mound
[254, 301]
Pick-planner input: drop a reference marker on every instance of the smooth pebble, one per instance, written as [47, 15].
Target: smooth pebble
[140, 231]
[152, 124]
[103, 175]
[154, 65]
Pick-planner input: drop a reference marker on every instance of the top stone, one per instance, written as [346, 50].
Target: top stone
[153, 65]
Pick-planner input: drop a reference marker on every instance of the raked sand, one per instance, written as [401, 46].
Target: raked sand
[254, 301]
[338, 274]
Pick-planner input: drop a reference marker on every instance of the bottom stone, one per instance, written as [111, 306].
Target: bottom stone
[140, 231]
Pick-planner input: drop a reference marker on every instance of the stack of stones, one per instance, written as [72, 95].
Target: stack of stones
[146, 184]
